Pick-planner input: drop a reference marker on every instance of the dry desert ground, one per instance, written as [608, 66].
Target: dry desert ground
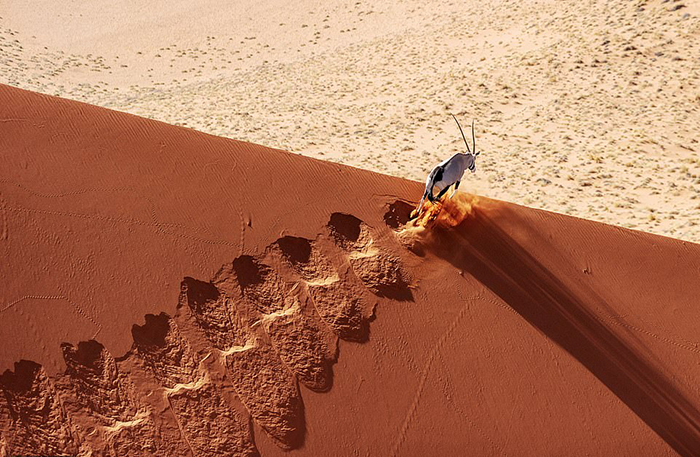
[176, 282]
[588, 108]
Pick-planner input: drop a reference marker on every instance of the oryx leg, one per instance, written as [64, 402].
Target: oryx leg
[420, 205]
[435, 180]
[431, 196]
[455, 189]
[416, 212]
[442, 192]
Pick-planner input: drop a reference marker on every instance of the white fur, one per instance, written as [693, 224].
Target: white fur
[452, 171]
[449, 172]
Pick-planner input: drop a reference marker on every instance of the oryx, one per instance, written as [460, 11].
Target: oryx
[450, 171]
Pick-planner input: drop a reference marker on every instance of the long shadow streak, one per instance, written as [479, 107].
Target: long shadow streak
[479, 246]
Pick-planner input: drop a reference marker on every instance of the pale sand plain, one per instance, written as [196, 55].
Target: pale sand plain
[586, 108]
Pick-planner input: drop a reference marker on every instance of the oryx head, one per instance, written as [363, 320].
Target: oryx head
[472, 152]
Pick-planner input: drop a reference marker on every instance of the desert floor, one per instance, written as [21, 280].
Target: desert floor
[586, 108]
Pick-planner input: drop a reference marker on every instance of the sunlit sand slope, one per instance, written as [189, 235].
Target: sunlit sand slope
[173, 293]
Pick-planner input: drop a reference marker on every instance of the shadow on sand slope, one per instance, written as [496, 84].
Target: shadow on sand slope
[480, 247]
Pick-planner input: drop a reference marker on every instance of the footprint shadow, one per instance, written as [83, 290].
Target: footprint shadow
[380, 272]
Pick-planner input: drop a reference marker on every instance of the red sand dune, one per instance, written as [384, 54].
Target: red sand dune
[173, 293]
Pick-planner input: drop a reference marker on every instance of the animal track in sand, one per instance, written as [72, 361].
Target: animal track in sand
[102, 399]
[304, 344]
[219, 320]
[97, 382]
[382, 273]
[164, 352]
[269, 391]
[295, 331]
[339, 303]
[208, 424]
[39, 423]
[271, 321]
[398, 214]
[261, 285]
[265, 386]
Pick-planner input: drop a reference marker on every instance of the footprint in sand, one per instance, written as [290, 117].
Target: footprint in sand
[262, 285]
[294, 329]
[39, 424]
[380, 272]
[269, 391]
[214, 312]
[103, 400]
[304, 343]
[340, 305]
[196, 402]
[264, 385]
[274, 321]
